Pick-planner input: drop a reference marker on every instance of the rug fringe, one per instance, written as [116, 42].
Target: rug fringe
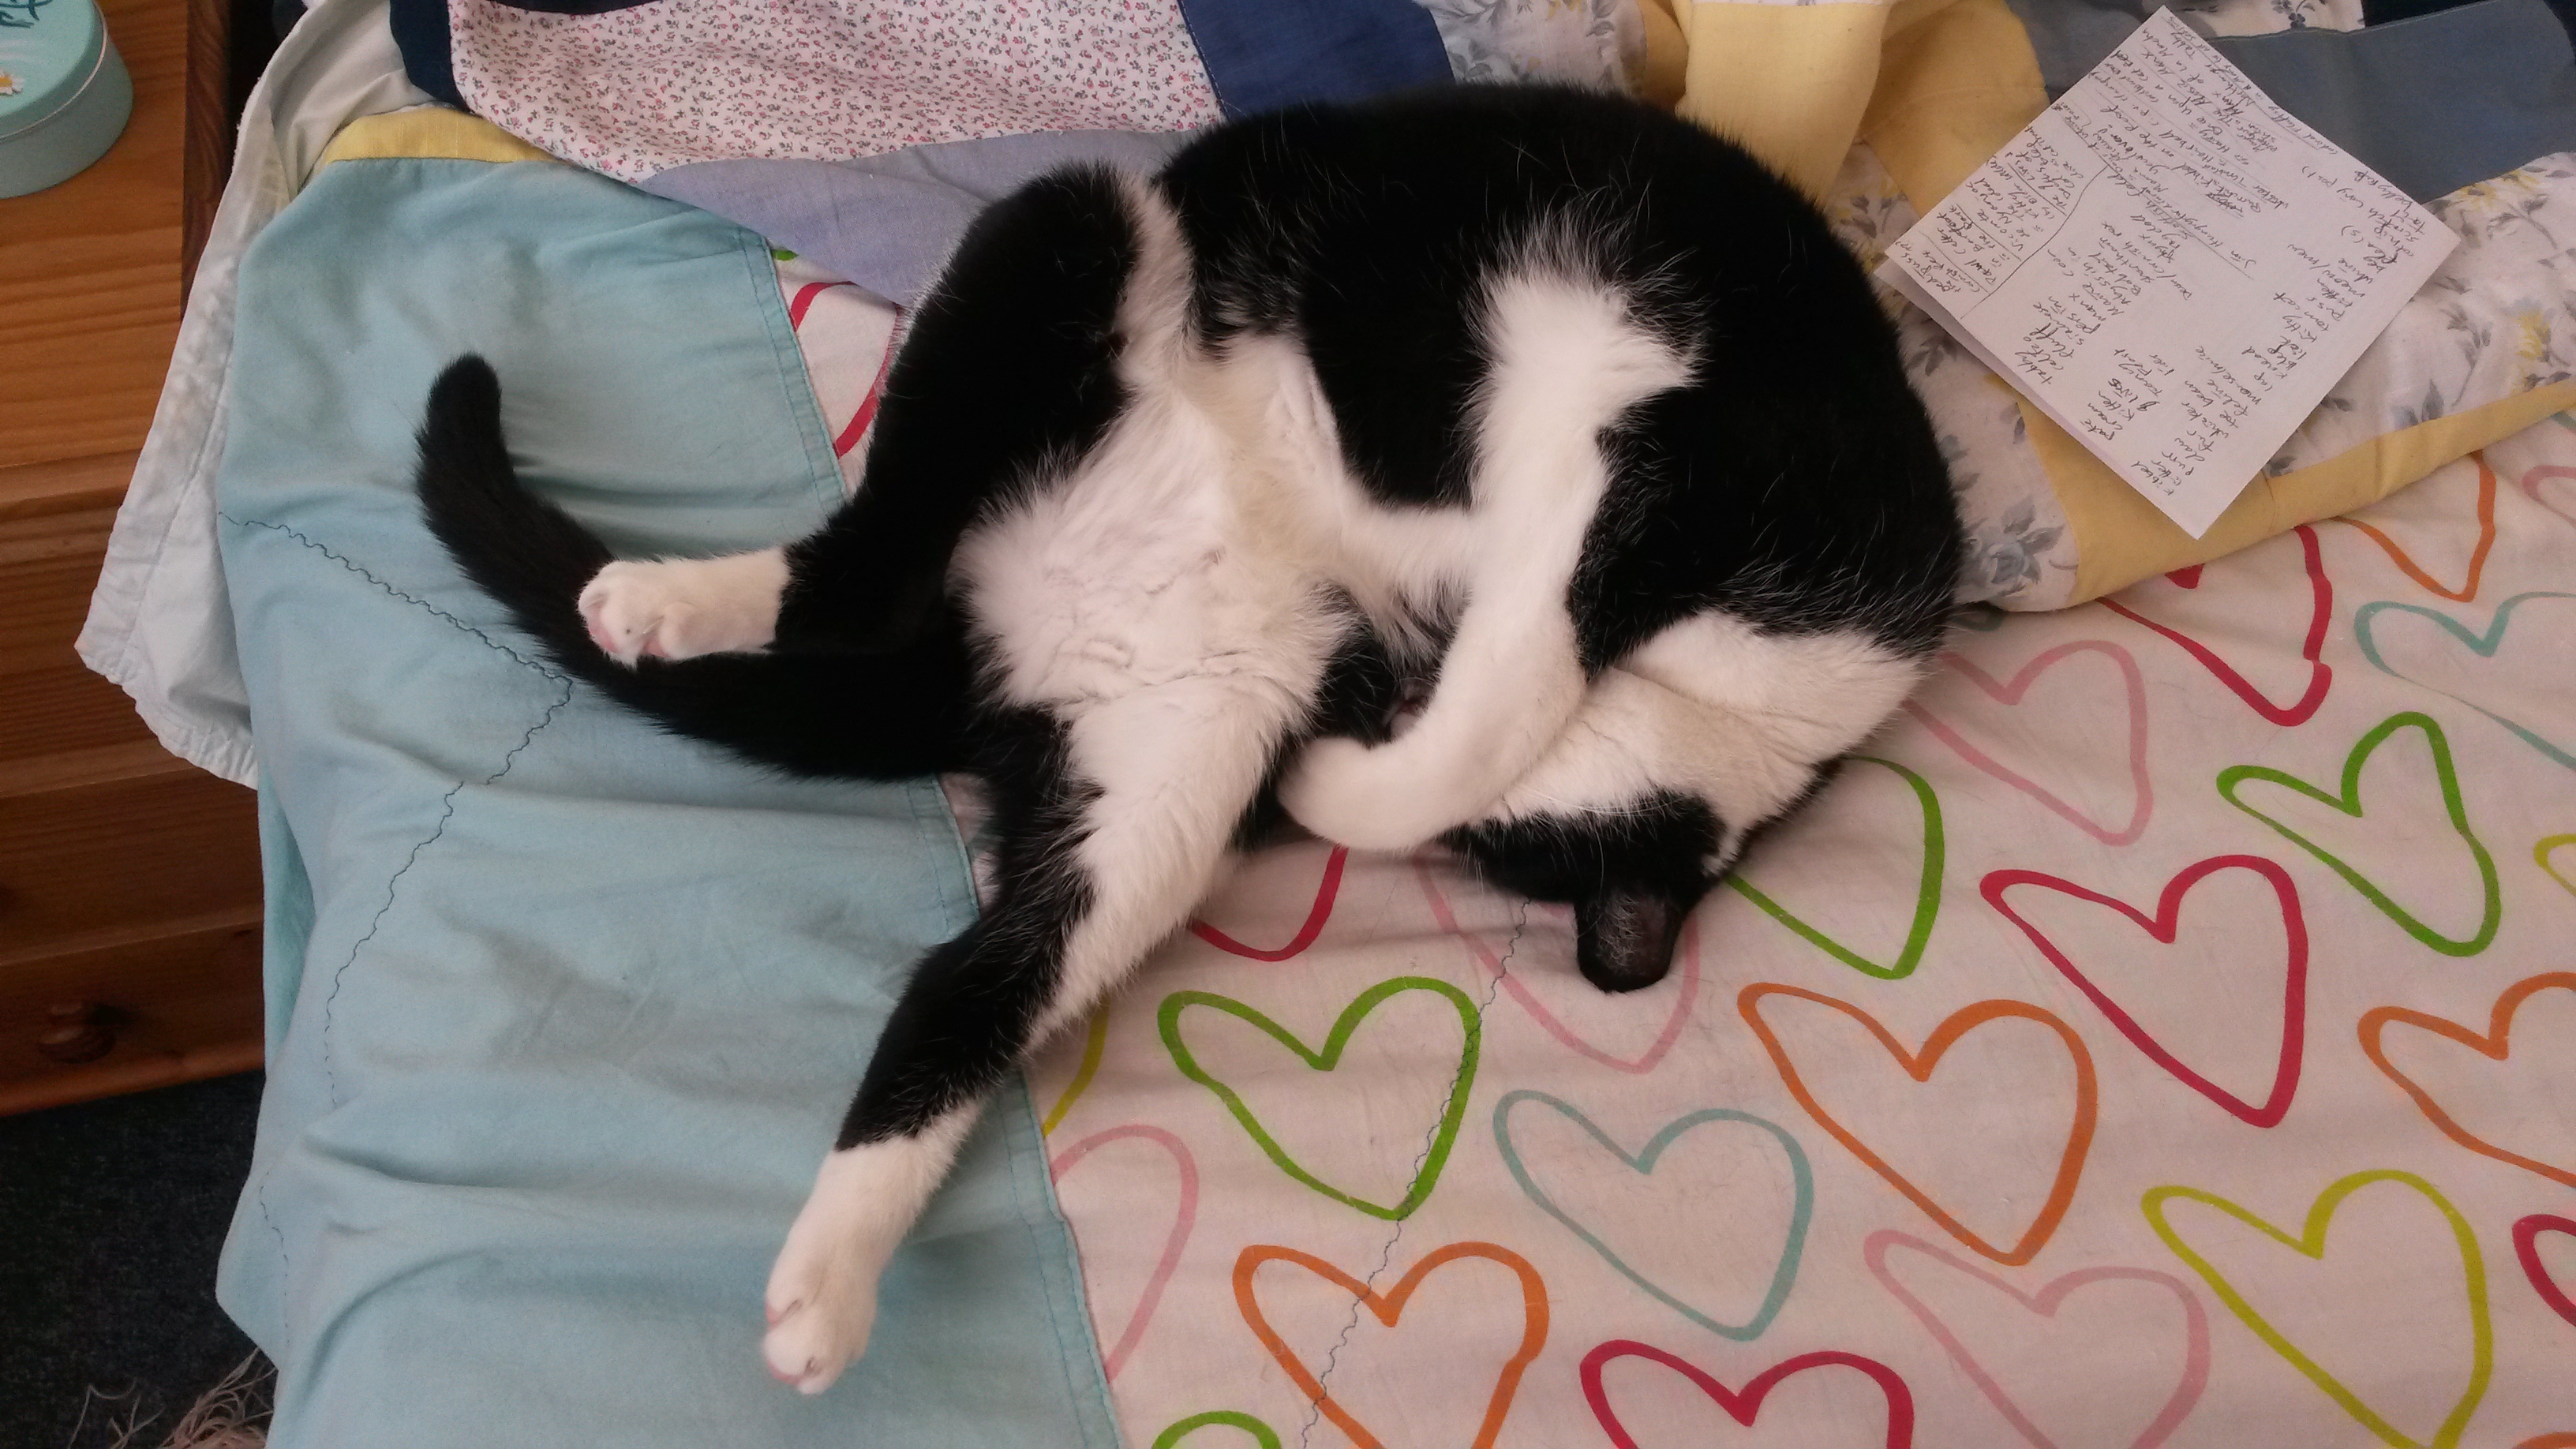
[231, 1415]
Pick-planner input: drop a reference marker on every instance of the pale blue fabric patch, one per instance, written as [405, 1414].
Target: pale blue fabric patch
[563, 1010]
[2434, 102]
[889, 222]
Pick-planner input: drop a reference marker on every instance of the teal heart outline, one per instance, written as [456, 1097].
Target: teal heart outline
[2483, 645]
[2445, 774]
[1792, 1250]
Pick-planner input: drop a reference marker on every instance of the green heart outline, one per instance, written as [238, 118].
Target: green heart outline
[2311, 1244]
[1784, 1274]
[2540, 853]
[1263, 1436]
[1927, 891]
[1427, 1171]
[2350, 804]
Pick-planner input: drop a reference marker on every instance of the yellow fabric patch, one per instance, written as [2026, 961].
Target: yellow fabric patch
[1954, 85]
[427, 131]
[1788, 83]
[1936, 86]
[1660, 73]
[2120, 538]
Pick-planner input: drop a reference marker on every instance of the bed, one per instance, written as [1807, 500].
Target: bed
[2164, 1033]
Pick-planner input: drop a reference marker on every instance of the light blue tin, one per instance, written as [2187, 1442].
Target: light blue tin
[64, 94]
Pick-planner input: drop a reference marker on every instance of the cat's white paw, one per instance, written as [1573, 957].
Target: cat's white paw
[680, 608]
[1358, 795]
[820, 1310]
[822, 1295]
[821, 1301]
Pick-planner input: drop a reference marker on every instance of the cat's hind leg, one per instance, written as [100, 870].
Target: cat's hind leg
[1114, 824]
[1008, 369]
[684, 607]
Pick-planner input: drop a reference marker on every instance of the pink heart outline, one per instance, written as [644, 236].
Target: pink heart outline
[2010, 694]
[2051, 1296]
[1742, 1405]
[2166, 925]
[2311, 649]
[1183, 1221]
[2526, 1251]
[1685, 955]
[1327, 891]
[2529, 483]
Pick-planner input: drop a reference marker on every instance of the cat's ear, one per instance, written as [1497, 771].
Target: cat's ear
[1624, 936]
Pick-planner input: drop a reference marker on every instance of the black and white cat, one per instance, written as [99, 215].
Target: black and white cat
[1548, 401]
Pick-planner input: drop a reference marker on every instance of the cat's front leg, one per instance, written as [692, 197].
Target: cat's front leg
[821, 1301]
[683, 607]
[1123, 820]
[1507, 686]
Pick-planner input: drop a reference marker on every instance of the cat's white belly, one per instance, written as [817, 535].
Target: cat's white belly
[1138, 572]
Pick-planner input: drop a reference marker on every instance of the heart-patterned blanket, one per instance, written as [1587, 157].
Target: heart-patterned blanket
[2167, 1039]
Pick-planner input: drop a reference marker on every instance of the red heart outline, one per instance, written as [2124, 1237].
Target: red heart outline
[2164, 927]
[2312, 649]
[1743, 1405]
[1326, 892]
[2526, 1250]
[2010, 693]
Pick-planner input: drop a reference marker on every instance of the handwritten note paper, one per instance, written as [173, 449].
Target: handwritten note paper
[2171, 267]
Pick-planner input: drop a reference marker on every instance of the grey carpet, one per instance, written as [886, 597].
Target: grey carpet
[111, 1214]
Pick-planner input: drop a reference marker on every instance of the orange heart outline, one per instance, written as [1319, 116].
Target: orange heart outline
[2468, 589]
[1920, 1066]
[2495, 1046]
[1388, 1307]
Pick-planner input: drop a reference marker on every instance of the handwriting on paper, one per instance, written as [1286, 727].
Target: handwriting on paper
[2172, 267]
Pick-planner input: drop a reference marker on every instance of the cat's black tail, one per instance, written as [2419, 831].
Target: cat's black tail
[877, 716]
[529, 555]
